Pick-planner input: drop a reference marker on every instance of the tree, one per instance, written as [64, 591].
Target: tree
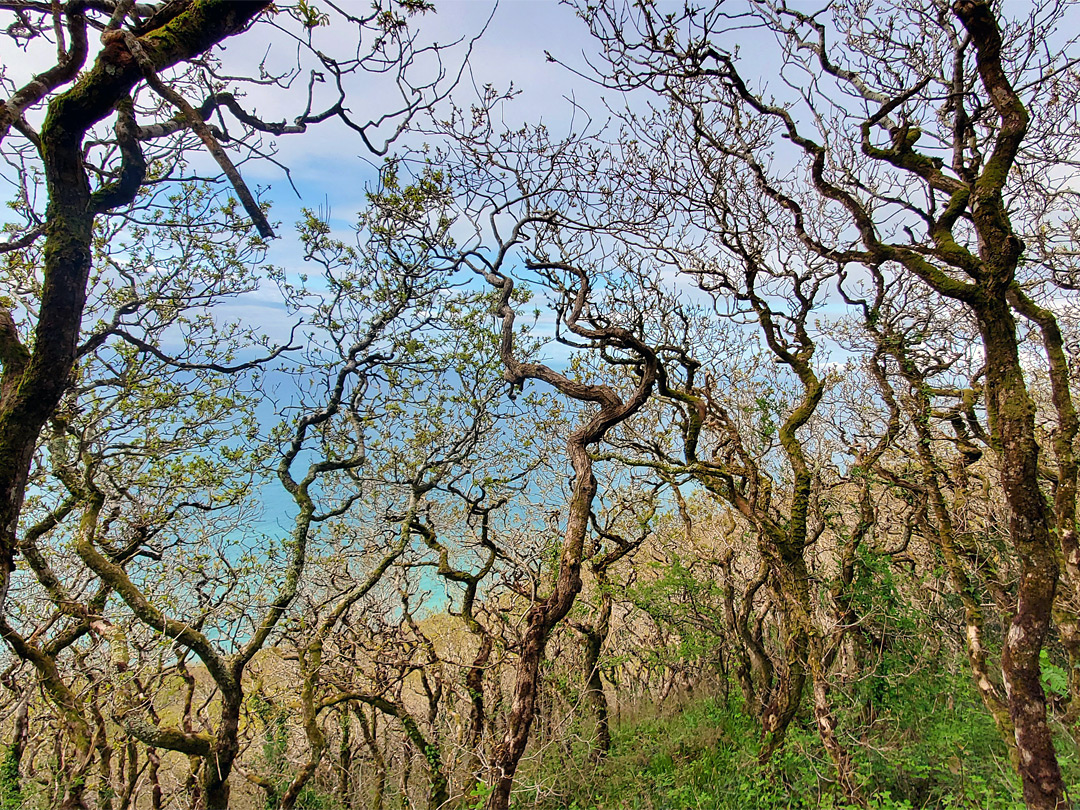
[145, 435]
[548, 611]
[606, 549]
[153, 56]
[36, 376]
[511, 198]
[126, 461]
[906, 342]
[942, 211]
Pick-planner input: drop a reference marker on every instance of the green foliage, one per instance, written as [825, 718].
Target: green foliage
[932, 746]
[311, 798]
[10, 792]
[767, 416]
[691, 606]
[1055, 679]
[275, 729]
[310, 16]
[479, 796]
[275, 721]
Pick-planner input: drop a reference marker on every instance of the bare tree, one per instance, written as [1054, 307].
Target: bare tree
[955, 84]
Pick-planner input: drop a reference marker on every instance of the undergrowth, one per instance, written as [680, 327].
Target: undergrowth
[930, 745]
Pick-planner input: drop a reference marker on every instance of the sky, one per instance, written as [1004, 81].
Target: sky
[331, 161]
[329, 164]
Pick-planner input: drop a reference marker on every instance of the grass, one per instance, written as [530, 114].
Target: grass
[933, 746]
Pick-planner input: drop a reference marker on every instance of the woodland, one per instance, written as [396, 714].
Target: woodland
[716, 450]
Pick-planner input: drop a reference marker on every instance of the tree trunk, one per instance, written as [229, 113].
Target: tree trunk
[786, 695]
[11, 767]
[540, 621]
[1012, 422]
[218, 765]
[345, 793]
[474, 735]
[737, 636]
[379, 788]
[152, 769]
[594, 684]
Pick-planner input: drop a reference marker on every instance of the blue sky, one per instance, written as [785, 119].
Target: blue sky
[330, 166]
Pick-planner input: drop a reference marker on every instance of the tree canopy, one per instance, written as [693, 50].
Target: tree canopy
[712, 447]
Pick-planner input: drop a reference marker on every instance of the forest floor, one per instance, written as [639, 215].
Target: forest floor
[929, 744]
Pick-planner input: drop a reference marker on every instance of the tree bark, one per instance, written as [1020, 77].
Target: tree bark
[217, 765]
[541, 619]
[595, 637]
[1012, 421]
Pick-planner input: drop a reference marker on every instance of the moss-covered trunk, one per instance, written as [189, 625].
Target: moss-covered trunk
[474, 735]
[595, 637]
[217, 765]
[1012, 420]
